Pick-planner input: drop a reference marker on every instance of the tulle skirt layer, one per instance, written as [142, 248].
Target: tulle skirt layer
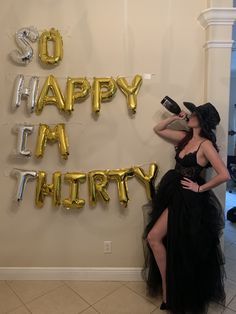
[195, 270]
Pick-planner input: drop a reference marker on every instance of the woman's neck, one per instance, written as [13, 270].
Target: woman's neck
[196, 134]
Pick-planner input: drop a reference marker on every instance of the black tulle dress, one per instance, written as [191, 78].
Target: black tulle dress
[195, 271]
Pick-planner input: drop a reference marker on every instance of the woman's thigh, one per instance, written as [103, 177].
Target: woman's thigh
[159, 229]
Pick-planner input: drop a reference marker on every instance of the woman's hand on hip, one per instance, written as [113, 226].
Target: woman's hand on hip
[189, 184]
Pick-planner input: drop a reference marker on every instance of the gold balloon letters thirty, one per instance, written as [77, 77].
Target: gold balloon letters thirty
[43, 189]
[98, 181]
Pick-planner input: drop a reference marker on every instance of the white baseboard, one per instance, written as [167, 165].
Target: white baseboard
[71, 273]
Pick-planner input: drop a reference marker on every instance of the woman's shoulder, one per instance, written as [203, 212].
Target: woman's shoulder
[206, 142]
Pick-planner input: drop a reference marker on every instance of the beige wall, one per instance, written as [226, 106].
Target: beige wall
[232, 115]
[232, 118]
[101, 38]
[219, 3]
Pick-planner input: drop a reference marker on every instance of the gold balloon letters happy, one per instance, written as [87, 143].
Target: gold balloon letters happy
[57, 99]
[71, 96]
[78, 89]
[99, 95]
[130, 91]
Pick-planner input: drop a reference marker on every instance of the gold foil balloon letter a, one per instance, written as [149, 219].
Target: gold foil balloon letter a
[57, 98]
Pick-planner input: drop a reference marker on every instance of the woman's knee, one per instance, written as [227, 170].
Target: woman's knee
[153, 238]
[159, 230]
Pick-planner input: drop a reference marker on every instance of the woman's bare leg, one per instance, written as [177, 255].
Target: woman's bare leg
[154, 237]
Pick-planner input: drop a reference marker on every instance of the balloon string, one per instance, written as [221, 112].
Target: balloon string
[63, 32]
[126, 40]
[145, 76]
[7, 172]
[37, 124]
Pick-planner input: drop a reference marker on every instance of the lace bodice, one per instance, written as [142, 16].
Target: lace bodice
[188, 165]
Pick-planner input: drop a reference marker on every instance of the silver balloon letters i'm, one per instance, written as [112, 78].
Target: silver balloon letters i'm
[22, 132]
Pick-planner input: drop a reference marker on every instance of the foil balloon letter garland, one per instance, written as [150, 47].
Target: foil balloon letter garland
[98, 183]
[77, 89]
[54, 36]
[25, 53]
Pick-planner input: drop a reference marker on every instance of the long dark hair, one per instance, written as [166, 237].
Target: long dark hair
[210, 135]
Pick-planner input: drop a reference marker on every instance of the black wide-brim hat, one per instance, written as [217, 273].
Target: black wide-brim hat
[207, 113]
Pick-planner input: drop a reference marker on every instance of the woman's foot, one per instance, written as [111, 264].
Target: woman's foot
[164, 306]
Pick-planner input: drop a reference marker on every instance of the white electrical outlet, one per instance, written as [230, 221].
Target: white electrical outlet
[107, 247]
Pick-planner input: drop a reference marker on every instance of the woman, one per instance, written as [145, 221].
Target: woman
[183, 253]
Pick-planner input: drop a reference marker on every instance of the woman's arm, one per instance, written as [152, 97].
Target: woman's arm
[173, 135]
[217, 163]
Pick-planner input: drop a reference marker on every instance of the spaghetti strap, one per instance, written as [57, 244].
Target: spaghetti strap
[200, 144]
